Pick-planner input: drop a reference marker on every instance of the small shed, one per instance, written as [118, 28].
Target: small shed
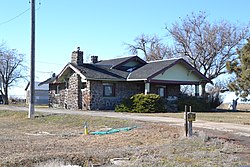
[41, 94]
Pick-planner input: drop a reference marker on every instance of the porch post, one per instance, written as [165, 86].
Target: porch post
[147, 88]
[196, 90]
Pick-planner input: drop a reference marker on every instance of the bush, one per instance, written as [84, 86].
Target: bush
[125, 106]
[141, 103]
[198, 104]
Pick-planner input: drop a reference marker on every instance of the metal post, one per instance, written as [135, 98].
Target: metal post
[32, 62]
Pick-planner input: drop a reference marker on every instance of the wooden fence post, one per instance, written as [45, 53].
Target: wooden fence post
[190, 126]
[186, 122]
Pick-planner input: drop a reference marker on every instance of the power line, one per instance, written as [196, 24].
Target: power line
[45, 72]
[17, 16]
[42, 62]
[7, 21]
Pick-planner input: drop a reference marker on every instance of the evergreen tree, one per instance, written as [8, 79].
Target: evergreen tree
[241, 69]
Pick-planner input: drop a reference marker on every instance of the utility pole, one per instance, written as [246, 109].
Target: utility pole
[32, 62]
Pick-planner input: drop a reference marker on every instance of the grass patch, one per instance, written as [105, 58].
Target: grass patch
[227, 117]
[13, 115]
[64, 120]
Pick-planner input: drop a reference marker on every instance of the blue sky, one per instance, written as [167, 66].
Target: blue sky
[99, 27]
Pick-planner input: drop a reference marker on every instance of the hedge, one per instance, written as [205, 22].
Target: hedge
[141, 103]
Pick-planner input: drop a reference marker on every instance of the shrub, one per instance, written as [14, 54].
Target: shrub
[147, 103]
[125, 106]
[198, 104]
[141, 103]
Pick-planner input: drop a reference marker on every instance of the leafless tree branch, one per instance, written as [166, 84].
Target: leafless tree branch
[11, 69]
[207, 46]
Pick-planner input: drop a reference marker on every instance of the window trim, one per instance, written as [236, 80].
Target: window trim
[112, 86]
[164, 91]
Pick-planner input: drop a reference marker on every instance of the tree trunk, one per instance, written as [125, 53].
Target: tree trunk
[5, 100]
[203, 91]
[5, 96]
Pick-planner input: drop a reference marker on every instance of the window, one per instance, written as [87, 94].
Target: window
[108, 89]
[57, 90]
[161, 91]
[66, 83]
[83, 85]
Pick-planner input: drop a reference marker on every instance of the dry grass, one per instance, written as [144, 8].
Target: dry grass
[227, 117]
[56, 139]
[240, 106]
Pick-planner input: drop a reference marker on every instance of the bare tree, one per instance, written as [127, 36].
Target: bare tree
[150, 46]
[207, 46]
[214, 91]
[11, 69]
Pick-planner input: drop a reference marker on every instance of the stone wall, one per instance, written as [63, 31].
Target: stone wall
[73, 98]
[91, 96]
[57, 99]
[99, 102]
[69, 98]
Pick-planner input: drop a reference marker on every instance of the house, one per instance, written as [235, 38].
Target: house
[41, 93]
[101, 85]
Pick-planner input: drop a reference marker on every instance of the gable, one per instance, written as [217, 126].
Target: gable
[65, 74]
[178, 72]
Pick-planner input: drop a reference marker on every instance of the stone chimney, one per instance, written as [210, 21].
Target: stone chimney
[77, 57]
[94, 59]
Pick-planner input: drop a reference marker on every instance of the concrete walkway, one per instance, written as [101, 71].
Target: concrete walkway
[237, 129]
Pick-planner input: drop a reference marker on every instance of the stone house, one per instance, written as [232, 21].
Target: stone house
[101, 85]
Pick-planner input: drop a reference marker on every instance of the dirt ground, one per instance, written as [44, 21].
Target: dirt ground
[58, 137]
[25, 144]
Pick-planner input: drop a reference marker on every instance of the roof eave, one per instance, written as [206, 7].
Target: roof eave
[104, 79]
[175, 82]
[137, 79]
